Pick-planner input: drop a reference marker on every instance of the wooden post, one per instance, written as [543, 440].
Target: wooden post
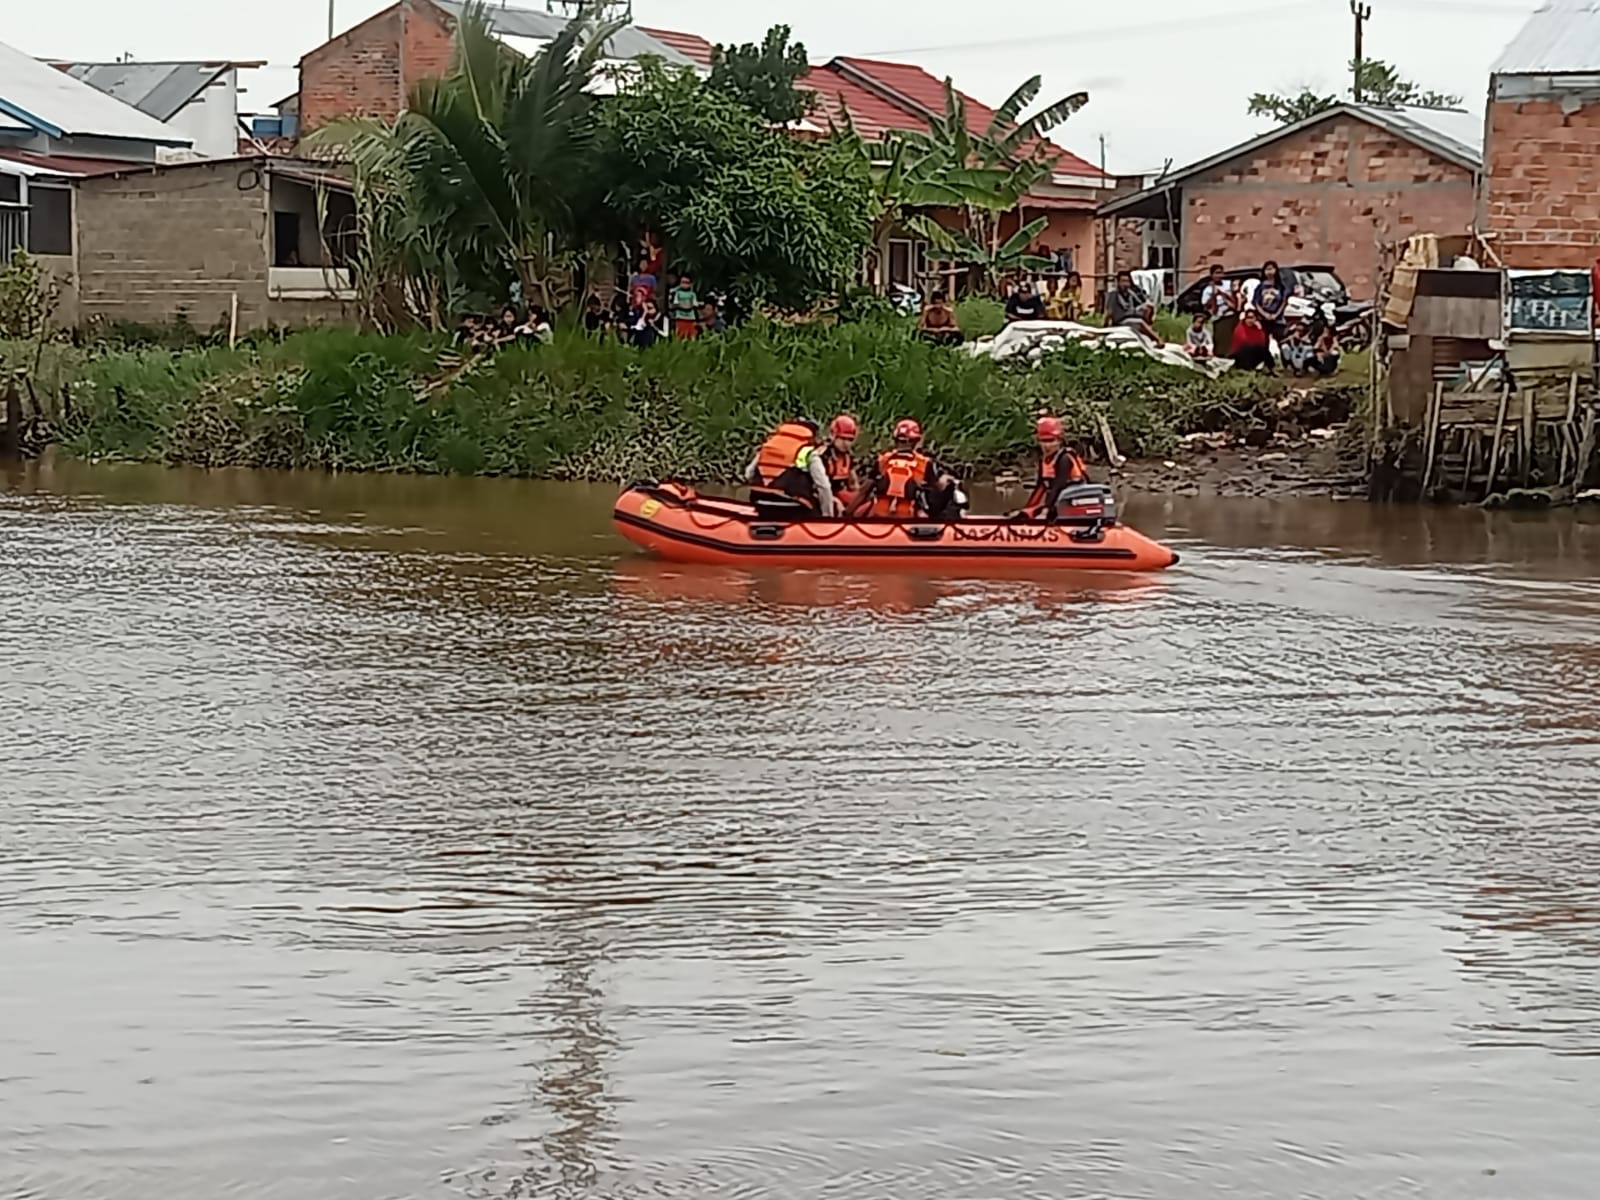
[11, 426]
[1568, 437]
[1529, 428]
[1431, 433]
[1585, 449]
[1472, 439]
[1499, 433]
[1113, 455]
[233, 321]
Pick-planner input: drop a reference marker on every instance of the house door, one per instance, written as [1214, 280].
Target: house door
[908, 262]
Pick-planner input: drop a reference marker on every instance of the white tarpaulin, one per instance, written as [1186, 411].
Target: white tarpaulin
[1034, 339]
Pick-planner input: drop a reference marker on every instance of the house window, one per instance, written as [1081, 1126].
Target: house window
[49, 220]
[10, 189]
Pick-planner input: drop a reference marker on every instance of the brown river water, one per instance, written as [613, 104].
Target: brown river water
[376, 837]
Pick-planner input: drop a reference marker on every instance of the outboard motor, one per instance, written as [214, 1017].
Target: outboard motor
[1087, 508]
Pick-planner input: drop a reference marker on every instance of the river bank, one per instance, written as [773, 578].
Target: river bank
[584, 409]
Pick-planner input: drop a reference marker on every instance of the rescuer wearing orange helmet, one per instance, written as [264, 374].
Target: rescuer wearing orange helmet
[1059, 468]
[906, 482]
[838, 461]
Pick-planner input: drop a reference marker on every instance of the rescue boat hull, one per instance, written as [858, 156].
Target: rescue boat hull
[674, 523]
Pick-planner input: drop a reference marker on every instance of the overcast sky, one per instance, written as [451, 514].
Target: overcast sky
[1166, 78]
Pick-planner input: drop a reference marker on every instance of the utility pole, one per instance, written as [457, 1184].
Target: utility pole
[1362, 13]
[330, 20]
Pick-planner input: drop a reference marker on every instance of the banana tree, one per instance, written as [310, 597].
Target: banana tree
[986, 175]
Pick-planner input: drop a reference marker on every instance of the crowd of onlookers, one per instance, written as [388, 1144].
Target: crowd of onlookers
[1248, 317]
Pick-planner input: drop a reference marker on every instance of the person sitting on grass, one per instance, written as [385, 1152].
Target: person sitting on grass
[1251, 344]
[1198, 340]
[1325, 353]
[1295, 348]
[1024, 305]
[937, 322]
[595, 318]
[711, 319]
[537, 328]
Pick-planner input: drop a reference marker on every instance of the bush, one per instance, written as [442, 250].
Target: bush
[582, 408]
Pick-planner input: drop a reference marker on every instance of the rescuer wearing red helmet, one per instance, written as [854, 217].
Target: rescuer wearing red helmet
[906, 482]
[1059, 469]
[838, 461]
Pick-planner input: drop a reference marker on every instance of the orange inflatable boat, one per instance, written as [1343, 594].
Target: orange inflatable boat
[674, 522]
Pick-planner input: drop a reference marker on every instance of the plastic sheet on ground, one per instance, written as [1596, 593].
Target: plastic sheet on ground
[1034, 339]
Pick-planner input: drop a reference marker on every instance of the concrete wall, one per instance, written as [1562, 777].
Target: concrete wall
[368, 70]
[1332, 193]
[211, 119]
[1541, 192]
[64, 269]
[181, 242]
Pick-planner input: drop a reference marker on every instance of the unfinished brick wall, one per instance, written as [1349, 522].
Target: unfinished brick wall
[370, 70]
[1541, 205]
[1330, 194]
[425, 52]
[356, 74]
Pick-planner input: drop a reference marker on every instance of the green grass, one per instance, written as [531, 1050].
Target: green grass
[585, 409]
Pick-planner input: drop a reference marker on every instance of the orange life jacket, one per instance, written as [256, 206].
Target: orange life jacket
[901, 474]
[782, 463]
[1076, 471]
[840, 467]
[1049, 468]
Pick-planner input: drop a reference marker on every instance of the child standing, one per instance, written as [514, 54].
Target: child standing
[684, 306]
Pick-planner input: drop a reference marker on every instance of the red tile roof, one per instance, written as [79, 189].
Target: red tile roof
[65, 164]
[691, 45]
[898, 96]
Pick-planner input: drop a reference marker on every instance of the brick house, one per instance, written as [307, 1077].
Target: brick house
[1540, 202]
[1331, 189]
[187, 241]
[369, 70]
[882, 97]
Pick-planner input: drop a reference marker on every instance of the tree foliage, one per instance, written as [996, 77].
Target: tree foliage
[773, 217]
[763, 78]
[1381, 85]
[479, 181]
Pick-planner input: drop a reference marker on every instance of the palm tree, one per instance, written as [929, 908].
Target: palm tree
[480, 180]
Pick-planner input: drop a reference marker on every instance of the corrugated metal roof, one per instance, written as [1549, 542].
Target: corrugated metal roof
[158, 89]
[630, 42]
[1562, 37]
[1454, 134]
[59, 105]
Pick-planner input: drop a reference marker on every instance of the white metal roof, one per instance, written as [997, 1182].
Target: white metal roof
[51, 101]
[1561, 38]
[526, 25]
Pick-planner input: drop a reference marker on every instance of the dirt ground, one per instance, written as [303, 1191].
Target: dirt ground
[1314, 467]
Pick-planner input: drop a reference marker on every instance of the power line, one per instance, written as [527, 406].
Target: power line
[1211, 21]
